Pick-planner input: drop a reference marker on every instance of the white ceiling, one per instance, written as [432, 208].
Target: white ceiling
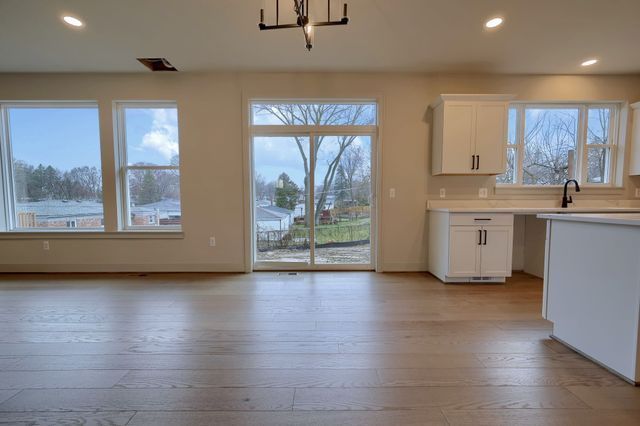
[539, 36]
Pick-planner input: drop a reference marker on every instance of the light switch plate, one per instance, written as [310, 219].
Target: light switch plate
[443, 192]
[483, 193]
[392, 193]
[637, 192]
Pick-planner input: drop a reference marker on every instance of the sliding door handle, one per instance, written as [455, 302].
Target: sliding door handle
[485, 237]
[478, 162]
[473, 162]
[479, 237]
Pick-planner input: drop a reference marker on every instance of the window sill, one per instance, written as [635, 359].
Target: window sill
[557, 189]
[90, 235]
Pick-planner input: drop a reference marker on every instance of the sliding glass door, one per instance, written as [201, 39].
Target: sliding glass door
[313, 177]
[343, 199]
[281, 214]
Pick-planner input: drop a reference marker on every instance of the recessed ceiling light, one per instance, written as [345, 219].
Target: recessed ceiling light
[73, 21]
[494, 22]
[589, 62]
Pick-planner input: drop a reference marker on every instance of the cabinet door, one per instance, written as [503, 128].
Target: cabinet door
[458, 138]
[634, 162]
[490, 137]
[495, 257]
[464, 251]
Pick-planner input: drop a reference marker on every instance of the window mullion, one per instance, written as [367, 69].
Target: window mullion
[581, 171]
[4, 175]
[121, 171]
[520, 145]
[137, 167]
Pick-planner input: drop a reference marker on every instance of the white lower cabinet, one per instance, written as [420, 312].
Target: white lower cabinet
[496, 251]
[464, 251]
[470, 247]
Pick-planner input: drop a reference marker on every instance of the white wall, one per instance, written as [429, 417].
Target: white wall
[535, 234]
[518, 259]
[211, 109]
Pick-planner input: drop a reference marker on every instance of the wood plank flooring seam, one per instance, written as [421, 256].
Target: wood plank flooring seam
[134, 414]
[5, 399]
[568, 389]
[444, 416]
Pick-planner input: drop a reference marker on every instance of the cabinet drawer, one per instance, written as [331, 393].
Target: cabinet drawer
[481, 219]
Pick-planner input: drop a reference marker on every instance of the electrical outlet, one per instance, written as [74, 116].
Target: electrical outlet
[45, 245]
[637, 192]
[483, 193]
[392, 193]
[212, 241]
[443, 192]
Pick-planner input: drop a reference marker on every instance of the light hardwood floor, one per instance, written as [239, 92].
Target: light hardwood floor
[347, 348]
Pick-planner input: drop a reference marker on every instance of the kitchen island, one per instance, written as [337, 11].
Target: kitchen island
[592, 287]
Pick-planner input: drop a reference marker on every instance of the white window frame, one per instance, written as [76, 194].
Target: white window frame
[313, 131]
[122, 166]
[581, 163]
[8, 219]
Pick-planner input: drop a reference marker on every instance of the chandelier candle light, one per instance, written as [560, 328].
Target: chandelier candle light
[301, 9]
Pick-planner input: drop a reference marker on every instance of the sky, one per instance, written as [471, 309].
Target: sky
[152, 135]
[274, 155]
[70, 137]
[62, 137]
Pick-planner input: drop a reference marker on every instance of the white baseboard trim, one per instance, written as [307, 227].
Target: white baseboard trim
[404, 267]
[183, 267]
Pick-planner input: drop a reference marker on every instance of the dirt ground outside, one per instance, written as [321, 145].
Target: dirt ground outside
[357, 254]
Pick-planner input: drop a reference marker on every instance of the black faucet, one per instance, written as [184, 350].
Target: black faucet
[565, 200]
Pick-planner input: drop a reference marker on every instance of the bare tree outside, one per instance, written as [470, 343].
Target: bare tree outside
[338, 164]
[550, 139]
[554, 147]
[320, 114]
[597, 138]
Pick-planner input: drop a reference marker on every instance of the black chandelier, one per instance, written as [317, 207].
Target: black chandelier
[301, 9]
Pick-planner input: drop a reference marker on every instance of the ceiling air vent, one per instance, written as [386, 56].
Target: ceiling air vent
[157, 64]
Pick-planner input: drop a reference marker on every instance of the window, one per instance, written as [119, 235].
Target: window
[51, 166]
[313, 183]
[548, 144]
[149, 165]
[314, 114]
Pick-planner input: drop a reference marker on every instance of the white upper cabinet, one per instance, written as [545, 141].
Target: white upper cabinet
[634, 161]
[470, 134]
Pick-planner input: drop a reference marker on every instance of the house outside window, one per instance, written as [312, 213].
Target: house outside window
[50, 172]
[148, 165]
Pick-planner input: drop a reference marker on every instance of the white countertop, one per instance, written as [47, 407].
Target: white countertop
[536, 210]
[533, 206]
[632, 219]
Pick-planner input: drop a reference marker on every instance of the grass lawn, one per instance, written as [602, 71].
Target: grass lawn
[341, 232]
